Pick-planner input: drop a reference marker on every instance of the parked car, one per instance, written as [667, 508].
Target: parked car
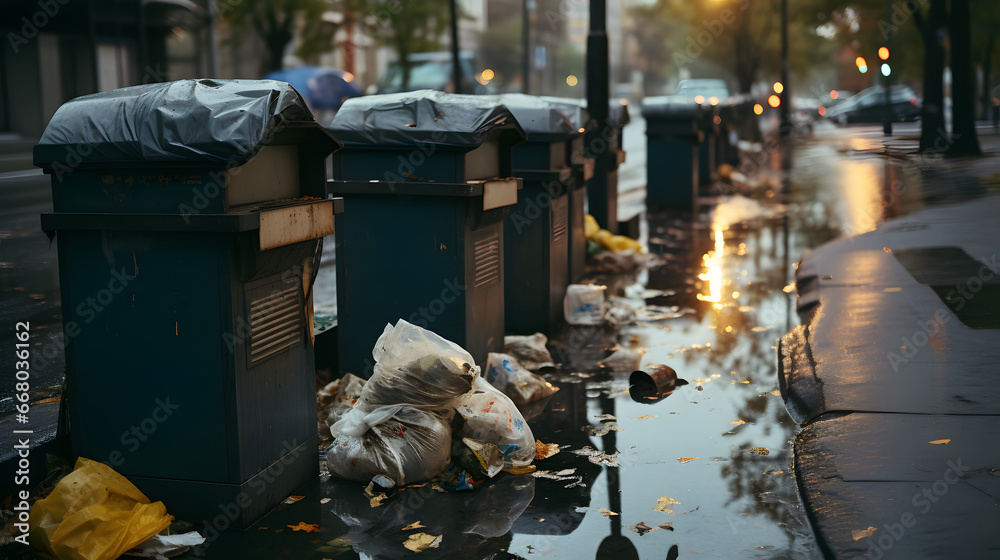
[869, 106]
[432, 70]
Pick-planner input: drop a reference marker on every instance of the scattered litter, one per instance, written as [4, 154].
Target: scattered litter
[607, 418]
[644, 416]
[640, 528]
[579, 482]
[738, 422]
[759, 450]
[491, 417]
[527, 469]
[667, 526]
[858, 534]
[292, 499]
[655, 313]
[62, 526]
[167, 545]
[789, 288]
[584, 304]
[687, 459]
[414, 525]
[505, 372]
[325, 501]
[606, 512]
[307, 527]
[624, 359]
[545, 450]
[605, 429]
[529, 351]
[663, 503]
[940, 441]
[376, 500]
[598, 457]
[564, 474]
[419, 542]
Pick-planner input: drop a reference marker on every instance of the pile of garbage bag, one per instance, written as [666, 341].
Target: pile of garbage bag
[425, 394]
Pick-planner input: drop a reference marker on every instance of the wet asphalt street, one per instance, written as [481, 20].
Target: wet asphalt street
[705, 471]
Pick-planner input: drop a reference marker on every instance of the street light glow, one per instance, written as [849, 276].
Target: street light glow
[572, 80]
[699, 99]
[883, 53]
[488, 74]
[778, 87]
[885, 69]
[834, 94]
[774, 101]
[713, 101]
[758, 109]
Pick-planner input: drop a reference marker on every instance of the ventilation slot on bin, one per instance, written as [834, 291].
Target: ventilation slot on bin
[487, 259]
[275, 318]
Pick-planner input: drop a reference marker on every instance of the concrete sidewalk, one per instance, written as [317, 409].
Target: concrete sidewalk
[893, 375]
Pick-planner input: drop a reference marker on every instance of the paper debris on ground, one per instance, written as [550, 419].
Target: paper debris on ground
[606, 512]
[663, 503]
[303, 526]
[940, 441]
[598, 457]
[858, 534]
[419, 542]
[545, 450]
[687, 459]
[414, 525]
[607, 418]
[605, 429]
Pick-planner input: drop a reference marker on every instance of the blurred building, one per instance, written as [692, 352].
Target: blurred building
[55, 50]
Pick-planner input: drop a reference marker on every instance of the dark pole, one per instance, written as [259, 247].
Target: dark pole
[785, 126]
[526, 45]
[886, 82]
[456, 66]
[602, 195]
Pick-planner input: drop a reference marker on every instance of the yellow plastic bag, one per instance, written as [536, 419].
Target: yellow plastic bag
[94, 513]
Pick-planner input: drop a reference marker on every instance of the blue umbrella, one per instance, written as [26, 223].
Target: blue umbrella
[322, 88]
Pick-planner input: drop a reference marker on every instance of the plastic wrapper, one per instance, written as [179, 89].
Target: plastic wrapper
[489, 416]
[530, 351]
[417, 367]
[404, 443]
[584, 304]
[333, 401]
[211, 121]
[418, 117]
[94, 513]
[505, 373]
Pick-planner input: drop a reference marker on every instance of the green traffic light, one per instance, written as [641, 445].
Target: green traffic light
[886, 70]
[863, 69]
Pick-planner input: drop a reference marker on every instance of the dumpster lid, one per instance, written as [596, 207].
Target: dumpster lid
[422, 117]
[670, 106]
[573, 109]
[201, 122]
[541, 121]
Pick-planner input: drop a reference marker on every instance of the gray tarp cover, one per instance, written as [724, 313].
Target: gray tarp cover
[540, 119]
[573, 109]
[207, 121]
[669, 106]
[417, 117]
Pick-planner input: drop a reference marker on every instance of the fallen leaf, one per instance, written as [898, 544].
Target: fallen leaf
[687, 459]
[325, 501]
[606, 418]
[605, 429]
[860, 534]
[545, 450]
[292, 499]
[606, 512]
[414, 525]
[886, 249]
[419, 542]
[640, 528]
[738, 422]
[262, 528]
[377, 500]
[667, 526]
[565, 472]
[643, 417]
[303, 526]
[940, 441]
[663, 501]
[759, 450]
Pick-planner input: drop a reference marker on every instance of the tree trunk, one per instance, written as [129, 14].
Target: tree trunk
[933, 136]
[964, 140]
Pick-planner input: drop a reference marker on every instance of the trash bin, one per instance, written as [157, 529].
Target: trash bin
[603, 203]
[583, 169]
[425, 178]
[672, 138]
[708, 148]
[187, 217]
[536, 232]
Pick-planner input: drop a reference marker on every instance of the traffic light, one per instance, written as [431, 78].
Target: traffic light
[861, 64]
[883, 53]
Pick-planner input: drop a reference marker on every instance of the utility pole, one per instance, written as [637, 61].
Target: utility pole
[785, 125]
[526, 45]
[602, 197]
[456, 64]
